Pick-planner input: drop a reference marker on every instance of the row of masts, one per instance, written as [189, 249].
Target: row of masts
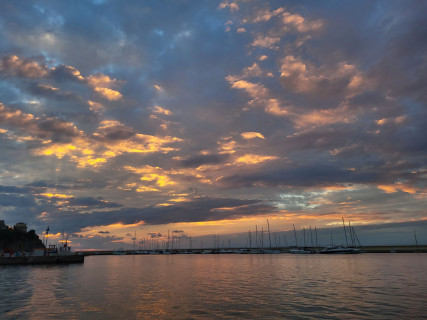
[257, 239]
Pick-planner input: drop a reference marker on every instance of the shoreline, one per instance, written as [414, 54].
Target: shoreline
[365, 249]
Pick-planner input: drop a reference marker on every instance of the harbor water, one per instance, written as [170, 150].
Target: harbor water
[228, 286]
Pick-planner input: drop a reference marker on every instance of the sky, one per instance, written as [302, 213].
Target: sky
[204, 119]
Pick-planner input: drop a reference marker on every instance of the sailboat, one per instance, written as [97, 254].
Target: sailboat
[298, 250]
[344, 249]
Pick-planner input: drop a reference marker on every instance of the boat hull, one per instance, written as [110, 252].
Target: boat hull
[340, 250]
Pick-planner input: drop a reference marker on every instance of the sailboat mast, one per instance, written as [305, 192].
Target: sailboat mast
[311, 237]
[315, 231]
[303, 229]
[345, 231]
[256, 237]
[416, 241]
[353, 242]
[262, 238]
[295, 234]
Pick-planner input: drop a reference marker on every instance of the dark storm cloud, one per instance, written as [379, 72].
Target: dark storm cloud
[200, 160]
[54, 128]
[53, 93]
[114, 132]
[302, 176]
[92, 202]
[65, 183]
[201, 209]
[14, 189]
[198, 210]
[15, 200]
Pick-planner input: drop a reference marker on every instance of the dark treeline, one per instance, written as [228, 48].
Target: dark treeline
[19, 241]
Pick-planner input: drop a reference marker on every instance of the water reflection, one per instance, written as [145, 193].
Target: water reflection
[219, 286]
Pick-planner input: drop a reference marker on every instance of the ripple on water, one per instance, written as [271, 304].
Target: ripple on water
[219, 286]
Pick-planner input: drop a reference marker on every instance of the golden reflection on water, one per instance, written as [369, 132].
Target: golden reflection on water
[375, 286]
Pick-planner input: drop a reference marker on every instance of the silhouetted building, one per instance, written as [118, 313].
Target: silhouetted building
[2, 225]
[21, 226]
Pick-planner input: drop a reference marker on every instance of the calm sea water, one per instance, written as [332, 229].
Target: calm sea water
[367, 286]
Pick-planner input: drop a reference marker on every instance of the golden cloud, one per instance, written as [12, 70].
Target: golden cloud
[160, 110]
[56, 195]
[251, 135]
[153, 174]
[109, 94]
[101, 80]
[254, 159]
[392, 188]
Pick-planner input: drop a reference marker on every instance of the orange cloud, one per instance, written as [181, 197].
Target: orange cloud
[324, 117]
[109, 94]
[103, 84]
[272, 106]
[266, 42]
[266, 15]
[397, 120]
[56, 195]
[226, 145]
[306, 78]
[392, 188]
[254, 159]
[251, 135]
[259, 94]
[160, 110]
[299, 23]
[95, 106]
[22, 67]
[153, 174]
[232, 5]
[101, 80]
[146, 189]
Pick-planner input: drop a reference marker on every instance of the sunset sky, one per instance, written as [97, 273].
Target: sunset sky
[210, 117]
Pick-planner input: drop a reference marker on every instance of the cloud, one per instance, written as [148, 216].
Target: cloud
[299, 23]
[109, 94]
[323, 81]
[160, 110]
[227, 4]
[204, 159]
[113, 130]
[268, 42]
[44, 128]
[27, 68]
[266, 15]
[301, 176]
[198, 210]
[254, 159]
[252, 135]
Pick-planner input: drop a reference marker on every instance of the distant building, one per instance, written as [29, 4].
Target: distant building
[21, 226]
[2, 225]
